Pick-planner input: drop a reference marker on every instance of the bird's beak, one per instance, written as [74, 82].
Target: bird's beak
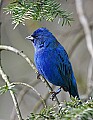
[30, 38]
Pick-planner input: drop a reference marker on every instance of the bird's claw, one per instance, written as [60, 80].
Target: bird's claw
[53, 95]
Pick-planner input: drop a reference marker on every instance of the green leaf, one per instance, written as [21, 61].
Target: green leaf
[3, 89]
[37, 10]
[70, 110]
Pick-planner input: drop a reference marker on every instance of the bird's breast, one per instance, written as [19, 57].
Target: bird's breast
[47, 64]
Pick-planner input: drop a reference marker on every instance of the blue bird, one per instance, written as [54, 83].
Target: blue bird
[52, 61]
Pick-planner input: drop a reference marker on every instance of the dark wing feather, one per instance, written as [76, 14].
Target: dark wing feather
[65, 68]
[66, 72]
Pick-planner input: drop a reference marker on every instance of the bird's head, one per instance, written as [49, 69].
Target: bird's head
[42, 38]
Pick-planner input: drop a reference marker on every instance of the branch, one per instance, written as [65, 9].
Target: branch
[89, 78]
[9, 48]
[5, 78]
[39, 102]
[1, 2]
[20, 97]
[25, 84]
[84, 23]
[78, 39]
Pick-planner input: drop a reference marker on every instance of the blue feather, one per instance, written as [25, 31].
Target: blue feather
[52, 61]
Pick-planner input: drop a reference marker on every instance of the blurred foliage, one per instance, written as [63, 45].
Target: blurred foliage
[6, 88]
[3, 89]
[37, 10]
[73, 110]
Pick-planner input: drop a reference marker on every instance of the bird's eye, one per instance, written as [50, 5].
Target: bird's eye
[34, 36]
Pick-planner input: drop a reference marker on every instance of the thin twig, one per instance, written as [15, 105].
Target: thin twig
[89, 78]
[84, 23]
[37, 106]
[78, 39]
[1, 2]
[5, 78]
[25, 84]
[9, 48]
[20, 97]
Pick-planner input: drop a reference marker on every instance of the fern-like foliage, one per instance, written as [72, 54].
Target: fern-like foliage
[73, 110]
[37, 10]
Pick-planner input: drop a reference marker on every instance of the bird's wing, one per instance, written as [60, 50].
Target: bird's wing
[64, 67]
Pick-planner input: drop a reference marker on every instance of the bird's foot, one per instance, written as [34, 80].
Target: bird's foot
[53, 96]
[54, 93]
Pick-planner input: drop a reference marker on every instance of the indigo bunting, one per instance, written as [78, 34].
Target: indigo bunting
[52, 61]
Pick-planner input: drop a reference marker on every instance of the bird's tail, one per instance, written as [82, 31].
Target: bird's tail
[73, 89]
